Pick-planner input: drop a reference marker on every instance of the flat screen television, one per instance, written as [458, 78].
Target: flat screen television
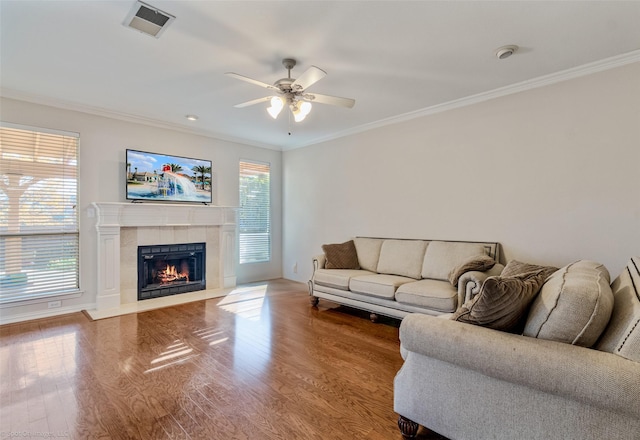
[164, 178]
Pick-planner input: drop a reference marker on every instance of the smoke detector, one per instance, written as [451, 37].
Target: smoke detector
[148, 19]
[506, 51]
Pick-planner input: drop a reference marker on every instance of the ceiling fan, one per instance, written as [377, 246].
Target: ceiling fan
[293, 92]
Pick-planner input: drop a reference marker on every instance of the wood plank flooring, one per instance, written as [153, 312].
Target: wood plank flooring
[260, 363]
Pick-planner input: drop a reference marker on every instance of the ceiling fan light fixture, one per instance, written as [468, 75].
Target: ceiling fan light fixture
[274, 112]
[305, 108]
[298, 116]
[300, 110]
[276, 107]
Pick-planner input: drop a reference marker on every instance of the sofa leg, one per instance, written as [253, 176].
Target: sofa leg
[408, 428]
[373, 317]
[314, 300]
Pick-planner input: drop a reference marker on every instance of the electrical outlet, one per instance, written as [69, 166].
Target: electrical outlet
[54, 304]
[295, 267]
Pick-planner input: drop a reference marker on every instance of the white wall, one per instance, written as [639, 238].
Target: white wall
[103, 142]
[553, 174]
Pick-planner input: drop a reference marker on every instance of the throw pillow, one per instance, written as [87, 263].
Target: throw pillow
[502, 302]
[574, 305]
[515, 267]
[341, 256]
[478, 262]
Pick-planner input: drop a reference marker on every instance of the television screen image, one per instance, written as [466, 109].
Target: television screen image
[166, 178]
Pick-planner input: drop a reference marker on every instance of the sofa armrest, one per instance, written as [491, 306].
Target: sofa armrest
[470, 283]
[318, 262]
[581, 374]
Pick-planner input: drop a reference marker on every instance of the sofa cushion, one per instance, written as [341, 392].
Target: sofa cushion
[622, 334]
[368, 250]
[382, 286]
[336, 278]
[574, 305]
[477, 262]
[402, 257]
[502, 302]
[442, 257]
[432, 294]
[341, 256]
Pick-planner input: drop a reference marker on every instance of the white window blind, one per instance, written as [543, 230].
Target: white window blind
[254, 220]
[38, 216]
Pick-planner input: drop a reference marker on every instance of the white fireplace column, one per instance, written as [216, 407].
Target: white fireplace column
[111, 217]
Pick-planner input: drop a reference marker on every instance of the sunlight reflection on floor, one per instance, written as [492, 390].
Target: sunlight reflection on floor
[214, 334]
[251, 339]
[245, 302]
[175, 353]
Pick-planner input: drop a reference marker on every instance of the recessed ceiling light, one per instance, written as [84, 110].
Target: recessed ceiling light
[506, 51]
[192, 117]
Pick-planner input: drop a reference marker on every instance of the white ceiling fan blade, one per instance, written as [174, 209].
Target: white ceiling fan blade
[308, 78]
[253, 101]
[331, 100]
[251, 80]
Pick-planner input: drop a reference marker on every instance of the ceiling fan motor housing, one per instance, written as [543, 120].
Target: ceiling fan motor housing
[284, 84]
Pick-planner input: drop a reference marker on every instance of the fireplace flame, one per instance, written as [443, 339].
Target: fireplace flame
[170, 274]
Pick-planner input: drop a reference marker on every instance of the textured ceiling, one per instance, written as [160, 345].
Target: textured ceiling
[392, 57]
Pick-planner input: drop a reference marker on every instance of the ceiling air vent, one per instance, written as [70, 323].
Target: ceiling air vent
[148, 20]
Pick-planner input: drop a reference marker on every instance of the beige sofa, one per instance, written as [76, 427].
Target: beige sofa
[395, 277]
[470, 382]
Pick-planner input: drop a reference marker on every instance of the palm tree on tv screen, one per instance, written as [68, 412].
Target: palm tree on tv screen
[203, 170]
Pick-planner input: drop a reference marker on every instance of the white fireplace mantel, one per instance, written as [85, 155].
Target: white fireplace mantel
[111, 217]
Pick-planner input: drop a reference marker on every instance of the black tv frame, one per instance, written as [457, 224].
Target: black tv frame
[150, 177]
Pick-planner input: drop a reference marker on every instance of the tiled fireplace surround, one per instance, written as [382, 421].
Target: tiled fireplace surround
[122, 227]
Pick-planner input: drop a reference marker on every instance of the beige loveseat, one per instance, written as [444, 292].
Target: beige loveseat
[470, 382]
[395, 277]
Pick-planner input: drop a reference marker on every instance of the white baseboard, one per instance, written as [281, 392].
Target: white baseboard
[48, 313]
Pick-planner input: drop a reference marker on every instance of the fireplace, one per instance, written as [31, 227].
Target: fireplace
[122, 227]
[171, 269]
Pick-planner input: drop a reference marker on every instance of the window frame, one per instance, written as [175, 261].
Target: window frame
[40, 297]
[269, 231]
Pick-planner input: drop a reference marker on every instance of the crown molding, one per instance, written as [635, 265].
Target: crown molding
[97, 111]
[542, 81]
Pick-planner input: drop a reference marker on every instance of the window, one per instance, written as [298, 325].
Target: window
[38, 216]
[254, 218]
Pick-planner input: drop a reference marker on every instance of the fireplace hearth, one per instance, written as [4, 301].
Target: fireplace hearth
[171, 269]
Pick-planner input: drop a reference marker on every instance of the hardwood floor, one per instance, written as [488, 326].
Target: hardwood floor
[260, 363]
